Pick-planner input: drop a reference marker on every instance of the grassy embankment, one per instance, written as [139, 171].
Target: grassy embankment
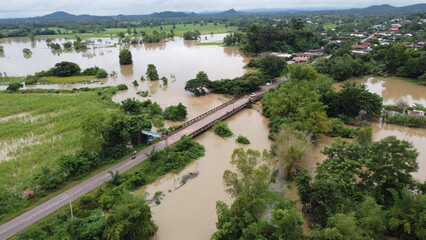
[72, 79]
[51, 80]
[113, 32]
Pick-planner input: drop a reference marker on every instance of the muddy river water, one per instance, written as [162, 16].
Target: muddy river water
[188, 212]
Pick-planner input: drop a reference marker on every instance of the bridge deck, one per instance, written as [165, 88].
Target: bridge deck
[192, 128]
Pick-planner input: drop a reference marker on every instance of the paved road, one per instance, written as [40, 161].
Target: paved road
[31, 216]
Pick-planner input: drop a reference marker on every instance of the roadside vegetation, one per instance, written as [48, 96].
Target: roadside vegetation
[64, 136]
[111, 211]
[222, 129]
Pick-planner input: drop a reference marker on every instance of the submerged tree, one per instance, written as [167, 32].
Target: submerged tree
[125, 57]
[151, 72]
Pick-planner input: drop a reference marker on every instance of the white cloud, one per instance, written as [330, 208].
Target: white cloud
[30, 8]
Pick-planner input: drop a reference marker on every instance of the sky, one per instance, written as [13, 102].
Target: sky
[32, 8]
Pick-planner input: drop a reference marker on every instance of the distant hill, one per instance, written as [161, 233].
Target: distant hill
[170, 14]
[229, 12]
[58, 15]
[64, 16]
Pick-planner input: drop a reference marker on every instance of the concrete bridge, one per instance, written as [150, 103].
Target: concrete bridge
[191, 128]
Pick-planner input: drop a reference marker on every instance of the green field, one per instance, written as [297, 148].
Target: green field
[112, 32]
[72, 79]
[209, 43]
[36, 128]
[9, 80]
[329, 26]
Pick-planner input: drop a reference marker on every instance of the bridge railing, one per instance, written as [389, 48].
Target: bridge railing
[209, 125]
[198, 118]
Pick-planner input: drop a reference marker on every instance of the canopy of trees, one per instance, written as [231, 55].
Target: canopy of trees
[125, 57]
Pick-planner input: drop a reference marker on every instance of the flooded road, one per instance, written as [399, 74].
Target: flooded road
[190, 211]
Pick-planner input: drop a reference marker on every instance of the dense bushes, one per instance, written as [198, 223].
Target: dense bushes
[222, 129]
[191, 35]
[151, 73]
[175, 113]
[239, 86]
[125, 57]
[243, 140]
[65, 69]
[15, 86]
[405, 119]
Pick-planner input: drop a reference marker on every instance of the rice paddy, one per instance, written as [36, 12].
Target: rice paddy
[36, 128]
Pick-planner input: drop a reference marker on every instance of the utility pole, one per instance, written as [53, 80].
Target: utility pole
[69, 197]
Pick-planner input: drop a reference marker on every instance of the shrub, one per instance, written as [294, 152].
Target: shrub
[151, 72]
[143, 93]
[14, 86]
[122, 87]
[92, 71]
[135, 83]
[222, 129]
[175, 113]
[29, 80]
[243, 140]
[102, 73]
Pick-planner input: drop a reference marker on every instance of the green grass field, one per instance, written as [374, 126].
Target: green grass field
[329, 26]
[9, 80]
[72, 79]
[112, 32]
[209, 43]
[36, 128]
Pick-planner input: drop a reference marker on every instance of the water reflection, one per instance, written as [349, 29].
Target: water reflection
[393, 89]
[126, 70]
[154, 46]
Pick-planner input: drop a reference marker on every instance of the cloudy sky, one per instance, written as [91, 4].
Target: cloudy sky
[31, 8]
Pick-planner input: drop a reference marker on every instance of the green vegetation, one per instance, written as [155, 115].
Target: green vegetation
[192, 35]
[208, 43]
[198, 85]
[56, 131]
[233, 39]
[62, 80]
[222, 129]
[243, 140]
[239, 86]
[66, 72]
[7, 80]
[247, 217]
[393, 59]
[125, 57]
[14, 86]
[135, 83]
[175, 113]
[122, 87]
[165, 81]
[114, 31]
[355, 178]
[151, 72]
[111, 212]
[143, 93]
[405, 119]
[271, 66]
[1, 49]
[27, 51]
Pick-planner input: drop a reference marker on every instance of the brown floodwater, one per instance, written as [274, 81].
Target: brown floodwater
[392, 89]
[189, 212]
